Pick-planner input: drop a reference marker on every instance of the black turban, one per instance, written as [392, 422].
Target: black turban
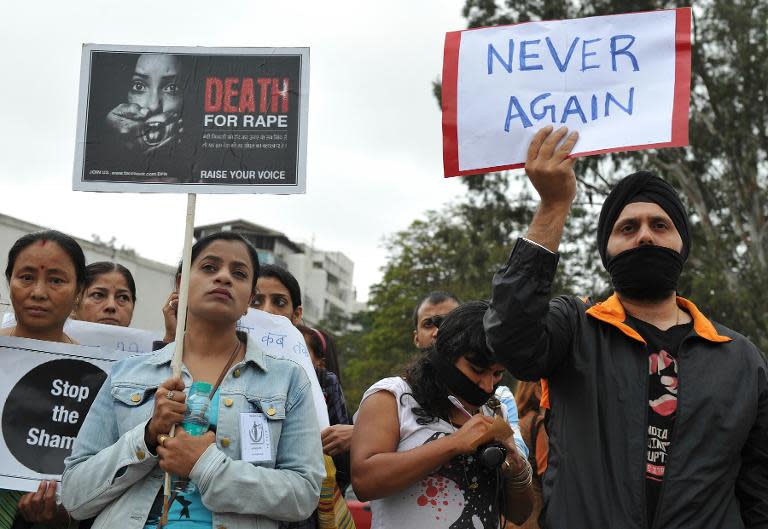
[642, 186]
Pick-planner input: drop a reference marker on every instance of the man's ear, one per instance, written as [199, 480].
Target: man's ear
[416, 338]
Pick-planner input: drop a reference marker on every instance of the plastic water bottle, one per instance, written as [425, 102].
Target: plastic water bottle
[197, 419]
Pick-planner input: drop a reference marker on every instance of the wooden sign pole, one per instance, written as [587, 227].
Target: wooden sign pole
[181, 323]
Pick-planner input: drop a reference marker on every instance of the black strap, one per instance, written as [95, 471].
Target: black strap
[226, 368]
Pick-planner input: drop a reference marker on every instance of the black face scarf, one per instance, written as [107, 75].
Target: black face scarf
[459, 383]
[646, 273]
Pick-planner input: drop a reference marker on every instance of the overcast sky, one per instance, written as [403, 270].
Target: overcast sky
[374, 147]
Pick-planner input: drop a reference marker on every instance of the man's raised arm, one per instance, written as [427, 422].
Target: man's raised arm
[528, 335]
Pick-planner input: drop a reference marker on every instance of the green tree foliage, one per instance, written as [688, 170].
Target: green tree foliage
[723, 177]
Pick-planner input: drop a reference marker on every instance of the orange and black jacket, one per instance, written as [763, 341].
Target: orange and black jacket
[597, 371]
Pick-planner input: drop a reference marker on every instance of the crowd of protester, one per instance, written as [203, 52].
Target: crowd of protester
[620, 419]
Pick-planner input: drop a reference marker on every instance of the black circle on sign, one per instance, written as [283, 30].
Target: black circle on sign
[32, 435]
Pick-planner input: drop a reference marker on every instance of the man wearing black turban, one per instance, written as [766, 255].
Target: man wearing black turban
[658, 416]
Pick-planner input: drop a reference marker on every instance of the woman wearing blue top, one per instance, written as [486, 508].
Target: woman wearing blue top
[115, 472]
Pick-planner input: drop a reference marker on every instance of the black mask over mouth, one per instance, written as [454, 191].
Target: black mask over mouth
[646, 273]
[459, 383]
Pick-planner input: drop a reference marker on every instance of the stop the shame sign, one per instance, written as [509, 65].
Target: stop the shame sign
[622, 81]
[46, 390]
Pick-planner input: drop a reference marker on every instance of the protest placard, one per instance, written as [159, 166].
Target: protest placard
[277, 336]
[192, 119]
[46, 390]
[622, 81]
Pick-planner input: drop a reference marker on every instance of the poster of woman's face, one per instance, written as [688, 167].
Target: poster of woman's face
[150, 116]
[182, 120]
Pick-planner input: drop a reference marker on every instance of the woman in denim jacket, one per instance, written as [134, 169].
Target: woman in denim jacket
[115, 472]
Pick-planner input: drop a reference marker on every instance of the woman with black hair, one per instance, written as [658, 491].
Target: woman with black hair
[260, 460]
[278, 292]
[109, 295]
[45, 273]
[416, 438]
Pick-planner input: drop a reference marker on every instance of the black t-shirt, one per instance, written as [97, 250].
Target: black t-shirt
[662, 401]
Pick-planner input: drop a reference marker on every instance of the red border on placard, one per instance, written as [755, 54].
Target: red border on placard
[682, 77]
[449, 102]
[680, 105]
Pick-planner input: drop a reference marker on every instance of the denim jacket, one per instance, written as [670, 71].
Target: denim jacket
[112, 475]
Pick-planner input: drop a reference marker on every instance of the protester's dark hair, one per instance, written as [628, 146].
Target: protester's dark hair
[433, 298]
[94, 270]
[460, 334]
[67, 243]
[287, 279]
[206, 241]
[331, 354]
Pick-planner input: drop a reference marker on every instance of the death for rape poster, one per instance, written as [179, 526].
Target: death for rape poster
[205, 120]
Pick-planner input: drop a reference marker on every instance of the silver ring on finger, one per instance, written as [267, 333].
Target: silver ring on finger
[169, 395]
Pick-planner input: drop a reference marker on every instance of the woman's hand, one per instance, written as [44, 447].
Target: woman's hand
[180, 453]
[515, 459]
[473, 433]
[167, 412]
[336, 439]
[40, 506]
[169, 316]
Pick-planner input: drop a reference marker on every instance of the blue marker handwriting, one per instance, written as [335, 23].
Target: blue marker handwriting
[614, 54]
[534, 55]
[271, 338]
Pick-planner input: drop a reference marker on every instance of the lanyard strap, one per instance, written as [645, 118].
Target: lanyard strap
[226, 368]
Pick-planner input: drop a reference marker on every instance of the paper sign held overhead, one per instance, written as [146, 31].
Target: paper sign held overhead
[192, 119]
[622, 81]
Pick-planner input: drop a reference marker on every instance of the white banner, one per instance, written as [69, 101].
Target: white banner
[113, 337]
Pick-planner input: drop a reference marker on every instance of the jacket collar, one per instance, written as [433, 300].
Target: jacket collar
[253, 354]
[611, 311]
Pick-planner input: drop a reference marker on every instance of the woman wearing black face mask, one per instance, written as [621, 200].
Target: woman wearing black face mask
[416, 438]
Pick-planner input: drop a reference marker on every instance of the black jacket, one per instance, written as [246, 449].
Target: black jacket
[597, 370]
